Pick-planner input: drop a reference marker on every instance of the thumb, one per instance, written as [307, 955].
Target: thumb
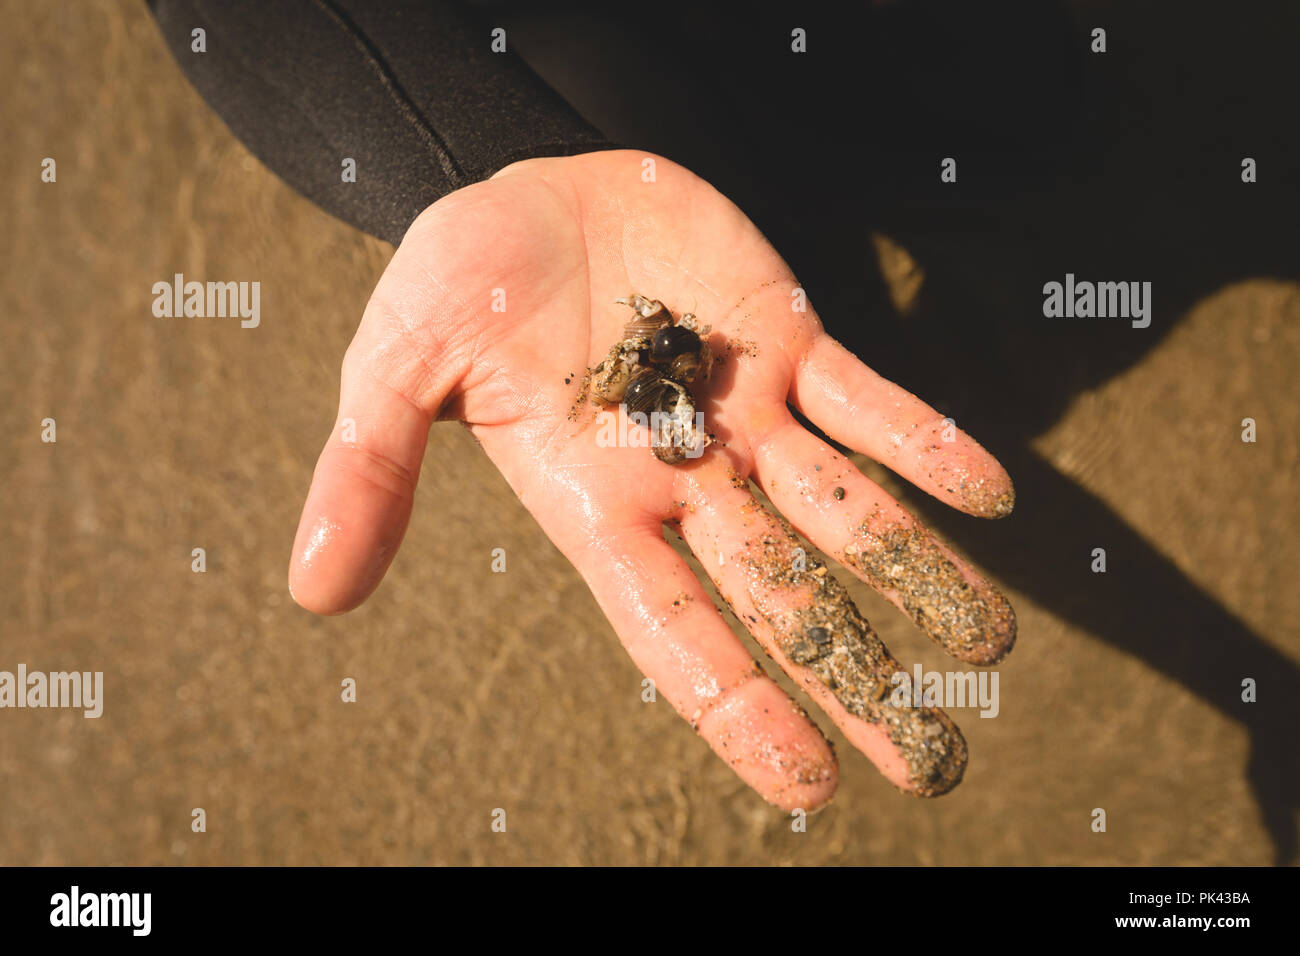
[398, 372]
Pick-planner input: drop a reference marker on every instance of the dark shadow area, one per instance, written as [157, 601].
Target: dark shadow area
[1122, 166]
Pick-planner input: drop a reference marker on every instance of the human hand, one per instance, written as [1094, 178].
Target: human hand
[564, 238]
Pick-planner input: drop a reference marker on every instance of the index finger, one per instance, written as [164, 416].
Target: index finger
[677, 637]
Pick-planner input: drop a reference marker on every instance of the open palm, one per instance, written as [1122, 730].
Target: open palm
[499, 299]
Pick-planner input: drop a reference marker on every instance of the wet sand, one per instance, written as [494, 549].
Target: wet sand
[478, 690]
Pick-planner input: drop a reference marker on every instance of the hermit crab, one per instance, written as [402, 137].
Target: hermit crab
[651, 370]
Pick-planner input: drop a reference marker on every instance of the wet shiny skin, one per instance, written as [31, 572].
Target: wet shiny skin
[558, 241]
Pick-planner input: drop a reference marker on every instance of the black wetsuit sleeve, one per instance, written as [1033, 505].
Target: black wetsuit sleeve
[409, 89]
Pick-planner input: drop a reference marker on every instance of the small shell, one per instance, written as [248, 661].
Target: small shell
[692, 366]
[651, 316]
[609, 380]
[646, 392]
[706, 362]
[683, 368]
[670, 453]
[641, 331]
[672, 341]
[648, 372]
[675, 436]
